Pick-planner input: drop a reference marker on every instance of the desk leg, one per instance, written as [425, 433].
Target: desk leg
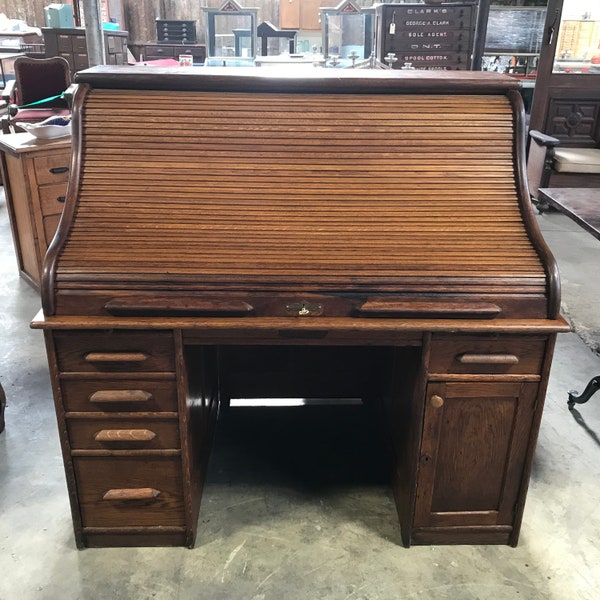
[2, 405]
[592, 387]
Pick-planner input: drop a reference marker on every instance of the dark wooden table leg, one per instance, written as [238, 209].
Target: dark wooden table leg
[2, 405]
[592, 387]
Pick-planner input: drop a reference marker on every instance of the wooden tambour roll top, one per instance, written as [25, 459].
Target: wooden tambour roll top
[334, 193]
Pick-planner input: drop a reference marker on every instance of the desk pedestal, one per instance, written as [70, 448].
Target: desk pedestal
[137, 403]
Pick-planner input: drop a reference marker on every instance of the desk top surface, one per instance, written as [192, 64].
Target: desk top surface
[580, 204]
[20, 143]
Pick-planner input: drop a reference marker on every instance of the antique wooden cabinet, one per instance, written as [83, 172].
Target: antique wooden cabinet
[481, 394]
[71, 44]
[158, 51]
[427, 36]
[398, 262]
[35, 174]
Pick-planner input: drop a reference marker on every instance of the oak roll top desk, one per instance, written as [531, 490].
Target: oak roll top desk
[236, 233]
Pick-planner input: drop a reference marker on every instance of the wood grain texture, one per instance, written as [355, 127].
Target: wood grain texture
[296, 192]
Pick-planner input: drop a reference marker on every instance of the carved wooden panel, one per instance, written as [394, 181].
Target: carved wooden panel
[574, 122]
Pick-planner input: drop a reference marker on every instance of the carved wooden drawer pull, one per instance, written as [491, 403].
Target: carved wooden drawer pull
[436, 401]
[132, 357]
[488, 359]
[131, 494]
[124, 435]
[120, 396]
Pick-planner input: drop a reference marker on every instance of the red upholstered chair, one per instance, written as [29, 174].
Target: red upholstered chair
[35, 79]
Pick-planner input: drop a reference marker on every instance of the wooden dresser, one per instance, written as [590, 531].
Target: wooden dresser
[35, 175]
[335, 233]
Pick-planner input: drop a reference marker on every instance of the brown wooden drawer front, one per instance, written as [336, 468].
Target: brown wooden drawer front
[158, 478]
[119, 395]
[503, 355]
[50, 227]
[151, 52]
[52, 169]
[79, 43]
[123, 434]
[65, 43]
[52, 198]
[129, 351]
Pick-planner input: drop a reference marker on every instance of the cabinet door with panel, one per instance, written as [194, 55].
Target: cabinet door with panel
[473, 452]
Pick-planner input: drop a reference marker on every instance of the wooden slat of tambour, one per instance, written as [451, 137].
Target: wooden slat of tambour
[300, 188]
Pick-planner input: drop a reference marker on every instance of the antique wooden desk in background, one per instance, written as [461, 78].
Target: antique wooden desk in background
[335, 233]
[35, 175]
[583, 206]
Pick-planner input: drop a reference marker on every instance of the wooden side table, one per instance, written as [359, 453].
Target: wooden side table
[35, 174]
[582, 206]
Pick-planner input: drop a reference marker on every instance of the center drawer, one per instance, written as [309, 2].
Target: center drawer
[114, 351]
[130, 491]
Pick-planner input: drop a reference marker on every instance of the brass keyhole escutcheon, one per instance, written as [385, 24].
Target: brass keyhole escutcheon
[304, 309]
[436, 401]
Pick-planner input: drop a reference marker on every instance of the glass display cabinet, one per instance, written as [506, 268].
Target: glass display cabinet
[231, 31]
[347, 33]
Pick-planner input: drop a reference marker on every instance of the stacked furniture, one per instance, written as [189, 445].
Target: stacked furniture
[399, 261]
[175, 37]
[71, 45]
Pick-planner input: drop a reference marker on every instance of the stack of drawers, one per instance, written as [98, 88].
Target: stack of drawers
[160, 51]
[71, 44]
[176, 32]
[35, 175]
[51, 175]
[121, 438]
[427, 37]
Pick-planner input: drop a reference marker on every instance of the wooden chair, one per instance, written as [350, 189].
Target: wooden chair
[35, 79]
[551, 165]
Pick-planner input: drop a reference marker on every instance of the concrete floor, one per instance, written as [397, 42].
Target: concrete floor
[264, 535]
